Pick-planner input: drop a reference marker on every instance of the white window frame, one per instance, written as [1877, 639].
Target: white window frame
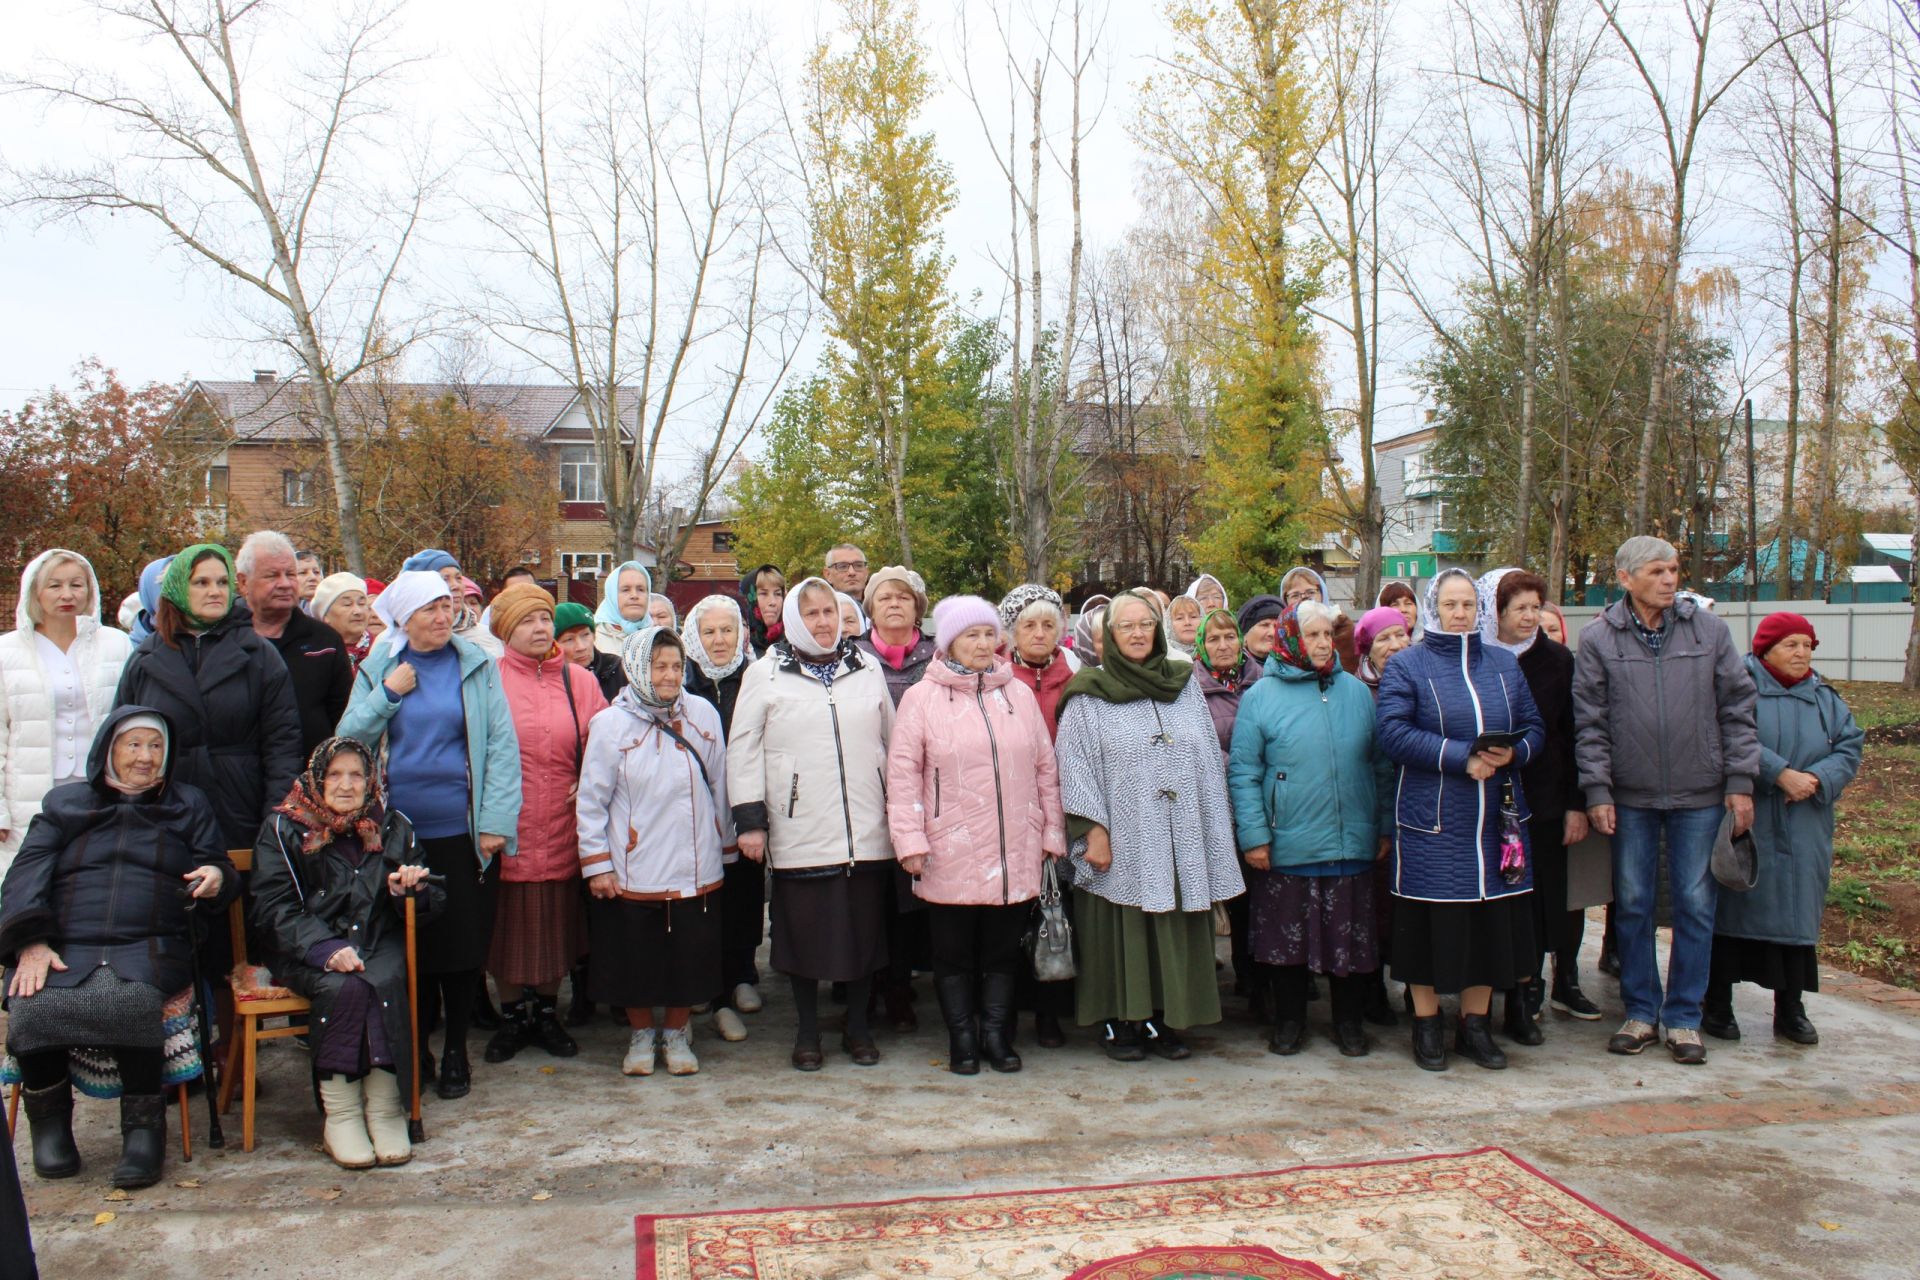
[580, 463]
[591, 565]
[296, 488]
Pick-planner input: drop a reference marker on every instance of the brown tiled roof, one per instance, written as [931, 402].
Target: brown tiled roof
[282, 409]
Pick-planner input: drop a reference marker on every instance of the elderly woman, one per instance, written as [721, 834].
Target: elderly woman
[341, 601]
[806, 766]
[94, 935]
[973, 804]
[329, 869]
[1399, 597]
[765, 591]
[1224, 673]
[1455, 715]
[853, 620]
[1553, 622]
[58, 670]
[716, 661]
[574, 632]
[1809, 752]
[1146, 797]
[1089, 630]
[653, 820]
[540, 926]
[453, 766]
[660, 612]
[896, 602]
[1183, 626]
[1258, 619]
[1308, 789]
[1034, 620]
[148, 595]
[1380, 633]
[1208, 592]
[1510, 613]
[626, 596]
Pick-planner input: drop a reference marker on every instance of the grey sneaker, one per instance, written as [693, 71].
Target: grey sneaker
[1633, 1037]
[676, 1045]
[1685, 1045]
[641, 1047]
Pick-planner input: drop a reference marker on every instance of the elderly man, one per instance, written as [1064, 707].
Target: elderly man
[316, 656]
[1664, 741]
[847, 570]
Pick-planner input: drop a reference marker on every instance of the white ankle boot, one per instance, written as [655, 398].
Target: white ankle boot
[386, 1118]
[345, 1136]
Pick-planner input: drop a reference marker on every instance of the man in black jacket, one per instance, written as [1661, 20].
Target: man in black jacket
[315, 655]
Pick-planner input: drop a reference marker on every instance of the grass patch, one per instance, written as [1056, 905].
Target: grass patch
[1855, 897]
[1877, 704]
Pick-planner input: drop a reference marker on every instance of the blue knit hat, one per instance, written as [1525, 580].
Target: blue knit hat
[432, 560]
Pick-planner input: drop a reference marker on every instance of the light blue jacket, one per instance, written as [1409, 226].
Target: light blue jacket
[493, 750]
[1304, 772]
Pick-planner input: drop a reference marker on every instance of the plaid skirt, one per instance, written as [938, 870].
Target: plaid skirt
[539, 932]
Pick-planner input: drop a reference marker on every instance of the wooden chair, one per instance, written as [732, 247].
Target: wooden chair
[250, 1011]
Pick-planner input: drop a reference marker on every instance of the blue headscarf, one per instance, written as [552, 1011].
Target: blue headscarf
[432, 560]
[149, 598]
[609, 610]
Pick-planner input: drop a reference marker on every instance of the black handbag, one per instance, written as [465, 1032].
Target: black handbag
[1049, 936]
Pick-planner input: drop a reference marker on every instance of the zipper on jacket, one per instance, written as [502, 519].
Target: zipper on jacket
[1339, 807]
[1479, 788]
[936, 791]
[793, 795]
[840, 758]
[999, 799]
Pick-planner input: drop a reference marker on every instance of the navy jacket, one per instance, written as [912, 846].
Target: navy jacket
[1435, 699]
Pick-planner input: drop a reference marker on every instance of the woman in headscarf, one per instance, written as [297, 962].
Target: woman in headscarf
[806, 772]
[1034, 620]
[1224, 673]
[653, 819]
[661, 613]
[625, 596]
[59, 668]
[540, 926]
[1455, 715]
[94, 937]
[341, 601]
[329, 869]
[1089, 630]
[574, 632]
[1308, 790]
[1209, 593]
[716, 662]
[1510, 613]
[453, 766]
[149, 597]
[852, 620]
[1146, 801]
[1380, 633]
[1809, 752]
[973, 804]
[470, 618]
[1183, 626]
[1399, 597]
[1258, 619]
[765, 591]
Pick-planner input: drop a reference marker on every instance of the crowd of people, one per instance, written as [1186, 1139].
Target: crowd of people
[622, 802]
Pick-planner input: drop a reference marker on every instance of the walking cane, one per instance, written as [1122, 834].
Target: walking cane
[209, 1060]
[416, 1131]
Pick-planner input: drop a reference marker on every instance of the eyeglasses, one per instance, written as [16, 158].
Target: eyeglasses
[1135, 628]
[847, 566]
[1306, 593]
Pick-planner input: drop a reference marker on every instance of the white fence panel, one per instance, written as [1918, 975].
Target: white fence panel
[1857, 641]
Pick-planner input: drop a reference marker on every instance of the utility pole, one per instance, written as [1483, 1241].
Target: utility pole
[1753, 519]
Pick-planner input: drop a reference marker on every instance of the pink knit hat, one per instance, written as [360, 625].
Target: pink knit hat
[956, 613]
[1372, 623]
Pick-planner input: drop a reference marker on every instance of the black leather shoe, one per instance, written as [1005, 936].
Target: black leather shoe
[544, 1029]
[1121, 1039]
[1380, 1009]
[863, 1051]
[997, 1022]
[1718, 1021]
[1163, 1042]
[1790, 1022]
[1288, 1038]
[1351, 1039]
[1516, 1024]
[1047, 1032]
[1573, 1002]
[456, 1074]
[1429, 1043]
[50, 1118]
[807, 1055]
[955, 992]
[1473, 1040]
[515, 1033]
[143, 1140]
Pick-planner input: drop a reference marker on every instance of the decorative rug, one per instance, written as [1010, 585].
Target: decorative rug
[1447, 1217]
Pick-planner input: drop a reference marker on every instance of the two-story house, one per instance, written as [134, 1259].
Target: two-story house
[1419, 539]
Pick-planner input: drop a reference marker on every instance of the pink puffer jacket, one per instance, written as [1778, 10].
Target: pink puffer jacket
[972, 783]
[552, 742]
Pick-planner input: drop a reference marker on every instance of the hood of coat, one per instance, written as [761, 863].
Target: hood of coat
[102, 747]
[995, 676]
[23, 618]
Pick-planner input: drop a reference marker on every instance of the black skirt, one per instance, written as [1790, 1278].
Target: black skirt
[833, 927]
[650, 954]
[1451, 946]
[459, 937]
[1777, 966]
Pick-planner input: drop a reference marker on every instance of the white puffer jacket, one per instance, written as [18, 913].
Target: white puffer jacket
[647, 810]
[26, 704]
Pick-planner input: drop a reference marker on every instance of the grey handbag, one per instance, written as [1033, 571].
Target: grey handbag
[1736, 863]
[1049, 938]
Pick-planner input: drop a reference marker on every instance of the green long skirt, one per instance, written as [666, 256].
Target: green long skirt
[1135, 963]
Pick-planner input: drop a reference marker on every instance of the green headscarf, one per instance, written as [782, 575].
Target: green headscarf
[180, 572]
[1119, 678]
[1200, 641]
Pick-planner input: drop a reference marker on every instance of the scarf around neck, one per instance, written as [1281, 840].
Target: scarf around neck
[1120, 679]
[1290, 648]
[306, 804]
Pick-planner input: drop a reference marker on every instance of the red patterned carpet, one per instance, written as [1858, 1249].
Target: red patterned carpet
[1452, 1217]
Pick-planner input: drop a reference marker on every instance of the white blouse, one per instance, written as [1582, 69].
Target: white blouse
[72, 721]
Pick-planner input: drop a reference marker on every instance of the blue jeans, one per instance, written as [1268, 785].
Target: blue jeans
[1636, 868]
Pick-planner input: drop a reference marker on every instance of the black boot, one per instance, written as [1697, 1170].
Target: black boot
[997, 1021]
[579, 1008]
[1121, 1039]
[956, 1006]
[1790, 1021]
[456, 1075]
[1351, 1039]
[545, 1030]
[1380, 1009]
[1163, 1040]
[1716, 1012]
[50, 1117]
[515, 1033]
[1473, 1040]
[1429, 1043]
[1517, 1024]
[143, 1140]
[1047, 1032]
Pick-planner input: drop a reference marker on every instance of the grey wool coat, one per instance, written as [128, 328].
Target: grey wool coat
[1151, 774]
[1809, 728]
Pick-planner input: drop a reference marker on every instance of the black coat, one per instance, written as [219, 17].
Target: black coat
[607, 670]
[322, 675]
[99, 876]
[302, 899]
[722, 695]
[236, 728]
[1551, 779]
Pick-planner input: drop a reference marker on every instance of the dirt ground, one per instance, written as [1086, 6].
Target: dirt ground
[1772, 1161]
[1872, 924]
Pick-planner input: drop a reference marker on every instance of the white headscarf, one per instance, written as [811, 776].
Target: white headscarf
[858, 612]
[697, 650]
[636, 663]
[1430, 605]
[405, 596]
[1488, 589]
[797, 634]
[1193, 589]
[143, 720]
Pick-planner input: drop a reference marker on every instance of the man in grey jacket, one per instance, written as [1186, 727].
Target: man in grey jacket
[1664, 739]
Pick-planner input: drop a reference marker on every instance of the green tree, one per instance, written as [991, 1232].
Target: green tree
[809, 489]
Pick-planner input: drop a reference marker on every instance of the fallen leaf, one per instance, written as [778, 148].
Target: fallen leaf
[1831, 1226]
[549, 1071]
[543, 1195]
[188, 1184]
[324, 1193]
[118, 1194]
[102, 1219]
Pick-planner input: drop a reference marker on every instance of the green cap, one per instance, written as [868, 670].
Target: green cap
[571, 615]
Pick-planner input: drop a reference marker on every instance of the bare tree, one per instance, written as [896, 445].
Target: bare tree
[263, 168]
[633, 185]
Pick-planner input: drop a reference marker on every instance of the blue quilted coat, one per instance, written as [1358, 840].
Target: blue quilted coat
[1435, 699]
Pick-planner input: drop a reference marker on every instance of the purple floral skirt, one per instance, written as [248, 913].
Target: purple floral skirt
[1326, 923]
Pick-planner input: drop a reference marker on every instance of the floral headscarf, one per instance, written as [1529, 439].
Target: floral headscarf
[636, 662]
[1215, 620]
[1290, 647]
[697, 649]
[306, 804]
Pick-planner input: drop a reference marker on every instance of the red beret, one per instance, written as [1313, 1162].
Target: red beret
[1776, 627]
